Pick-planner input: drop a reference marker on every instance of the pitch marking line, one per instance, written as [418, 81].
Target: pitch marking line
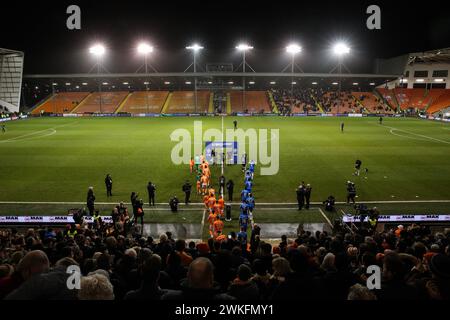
[53, 131]
[235, 203]
[415, 134]
[326, 218]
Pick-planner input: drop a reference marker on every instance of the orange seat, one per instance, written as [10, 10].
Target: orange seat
[184, 102]
[61, 102]
[110, 101]
[255, 101]
[145, 102]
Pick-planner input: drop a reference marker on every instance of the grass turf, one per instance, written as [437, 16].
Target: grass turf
[56, 159]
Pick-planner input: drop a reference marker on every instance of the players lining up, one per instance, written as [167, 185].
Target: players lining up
[247, 202]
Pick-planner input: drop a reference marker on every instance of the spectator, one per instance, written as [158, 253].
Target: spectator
[199, 284]
[95, 287]
[242, 288]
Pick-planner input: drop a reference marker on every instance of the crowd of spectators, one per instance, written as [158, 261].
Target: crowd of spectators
[298, 100]
[415, 264]
[339, 102]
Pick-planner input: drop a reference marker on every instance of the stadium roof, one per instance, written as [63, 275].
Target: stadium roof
[208, 74]
[433, 56]
[4, 51]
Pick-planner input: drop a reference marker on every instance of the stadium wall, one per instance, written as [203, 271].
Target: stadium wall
[11, 71]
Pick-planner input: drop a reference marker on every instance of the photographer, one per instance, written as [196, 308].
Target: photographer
[173, 203]
[329, 204]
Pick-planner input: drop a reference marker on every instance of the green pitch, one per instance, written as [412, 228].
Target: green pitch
[57, 159]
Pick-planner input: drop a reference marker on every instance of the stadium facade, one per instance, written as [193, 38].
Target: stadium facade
[11, 71]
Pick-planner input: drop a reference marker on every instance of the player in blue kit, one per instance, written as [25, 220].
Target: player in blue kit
[248, 186]
[244, 195]
[252, 168]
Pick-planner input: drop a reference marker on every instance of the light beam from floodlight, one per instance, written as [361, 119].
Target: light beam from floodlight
[293, 48]
[97, 50]
[341, 48]
[144, 48]
[195, 48]
[243, 47]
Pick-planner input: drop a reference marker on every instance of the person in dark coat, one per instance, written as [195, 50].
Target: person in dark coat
[149, 288]
[300, 197]
[307, 195]
[151, 189]
[199, 284]
[108, 184]
[187, 187]
[90, 201]
[242, 288]
[230, 187]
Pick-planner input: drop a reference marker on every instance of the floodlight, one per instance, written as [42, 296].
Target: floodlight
[335, 83]
[272, 82]
[314, 83]
[420, 80]
[188, 82]
[355, 83]
[97, 50]
[372, 83]
[293, 48]
[341, 49]
[439, 80]
[144, 48]
[243, 47]
[251, 82]
[195, 47]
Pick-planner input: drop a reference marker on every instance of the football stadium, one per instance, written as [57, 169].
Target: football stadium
[280, 173]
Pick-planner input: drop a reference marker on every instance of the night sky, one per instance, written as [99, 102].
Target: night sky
[39, 29]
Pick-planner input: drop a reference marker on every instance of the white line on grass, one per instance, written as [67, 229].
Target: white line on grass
[326, 218]
[234, 203]
[19, 138]
[409, 132]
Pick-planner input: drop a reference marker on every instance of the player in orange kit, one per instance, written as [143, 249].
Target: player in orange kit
[199, 187]
[221, 203]
[191, 165]
[218, 227]
[204, 183]
[212, 217]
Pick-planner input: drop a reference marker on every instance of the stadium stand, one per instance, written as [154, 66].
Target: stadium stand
[439, 103]
[389, 96]
[255, 102]
[414, 262]
[61, 102]
[110, 101]
[371, 103]
[411, 98]
[144, 102]
[333, 102]
[303, 100]
[184, 102]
